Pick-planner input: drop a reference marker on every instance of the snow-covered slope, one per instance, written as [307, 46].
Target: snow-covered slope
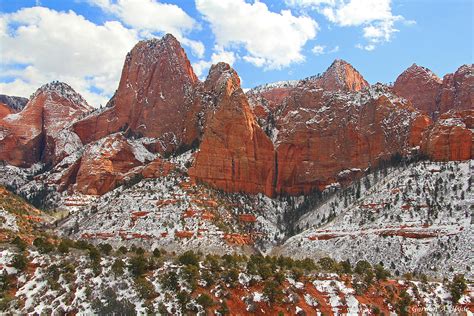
[171, 213]
[78, 282]
[416, 218]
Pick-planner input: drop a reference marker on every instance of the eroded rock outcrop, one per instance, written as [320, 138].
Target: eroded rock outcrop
[457, 90]
[323, 136]
[155, 98]
[33, 134]
[341, 76]
[107, 162]
[235, 154]
[433, 96]
[5, 110]
[421, 87]
[451, 137]
[16, 104]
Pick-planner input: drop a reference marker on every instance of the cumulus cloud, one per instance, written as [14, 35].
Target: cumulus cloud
[45, 45]
[219, 55]
[269, 39]
[374, 16]
[150, 17]
[319, 49]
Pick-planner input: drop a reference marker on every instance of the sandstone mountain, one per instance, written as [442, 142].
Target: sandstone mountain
[235, 154]
[36, 133]
[421, 86]
[16, 104]
[155, 98]
[323, 168]
[283, 138]
[433, 96]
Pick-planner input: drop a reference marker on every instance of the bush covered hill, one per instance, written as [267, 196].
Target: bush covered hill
[55, 276]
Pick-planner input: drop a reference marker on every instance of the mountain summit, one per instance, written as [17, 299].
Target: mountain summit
[286, 138]
[342, 76]
[32, 135]
[154, 98]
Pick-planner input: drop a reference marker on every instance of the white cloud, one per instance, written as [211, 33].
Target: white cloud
[368, 47]
[271, 40]
[219, 55]
[359, 12]
[380, 31]
[257, 61]
[63, 46]
[197, 47]
[322, 49]
[309, 3]
[375, 16]
[150, 17]
[318, 49]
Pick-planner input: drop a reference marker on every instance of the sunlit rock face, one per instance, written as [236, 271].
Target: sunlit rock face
[34, 134]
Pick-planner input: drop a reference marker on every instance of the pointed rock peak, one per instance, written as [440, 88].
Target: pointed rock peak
[222, 77]
[342, 76]
[65, 92]
[55, 86]
[419, 72]
[169, 38]
[166, 41]
[158, 50]
[467, 69]
[339, 63]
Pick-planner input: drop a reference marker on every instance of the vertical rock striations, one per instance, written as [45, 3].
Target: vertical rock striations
[451, 137]
[155, 98]
[235, 154]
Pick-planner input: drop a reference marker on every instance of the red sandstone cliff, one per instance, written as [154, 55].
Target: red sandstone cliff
[457, 90]
[286, 138]
[451, 137]
[155, 98]
[434, 96]
[420, 86]
[33, 134]
[324, 135]
[235, 154]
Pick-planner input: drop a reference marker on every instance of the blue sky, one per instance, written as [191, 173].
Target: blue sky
[83, 42]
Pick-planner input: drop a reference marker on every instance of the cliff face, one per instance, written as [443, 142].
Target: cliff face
[155, 98]
[341, 76]
[107, 162]
[235, 154]
[35, 133]
[324, 137]
[434, 96]
[457, 90]
[283, 138]
[421, 87]
[319, 135]
[451, 137]
[5, 110]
